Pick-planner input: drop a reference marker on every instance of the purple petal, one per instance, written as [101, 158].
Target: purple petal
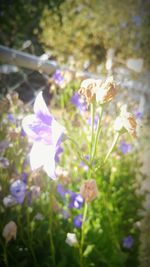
[41, 110]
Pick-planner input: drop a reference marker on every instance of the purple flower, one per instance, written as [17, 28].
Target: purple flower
[10, 117]
[83, 164]
[78, 102]
[18, 190]
[128, 242]
[24, 177]
[61, 190]
[138, 115]
[76, 201]
[124, 147]
[46, 134]
[78, 221]
[58, 78]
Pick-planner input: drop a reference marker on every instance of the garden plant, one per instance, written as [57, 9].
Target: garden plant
[68, 178]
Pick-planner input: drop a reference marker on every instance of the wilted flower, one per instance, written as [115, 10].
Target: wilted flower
[89, 190]
[78, 221]
[46, 134]
[125, 122]
[106, 91]
[76, 201]
[71, 240]
[18, 190]
[124, 147]
[128, 242]
[79, 102]
[10, 231]
[87, 89]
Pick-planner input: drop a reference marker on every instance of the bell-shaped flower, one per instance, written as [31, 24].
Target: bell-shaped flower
[46, 134]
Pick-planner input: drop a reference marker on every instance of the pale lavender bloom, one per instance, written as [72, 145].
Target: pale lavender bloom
[18, 190]
[78, 221]
[76, 201]
[128, 242]
[11, 118]
[46, 134]
[4, 163]
[138, 115]
[78, 102]
[124, 147]
[58, 78]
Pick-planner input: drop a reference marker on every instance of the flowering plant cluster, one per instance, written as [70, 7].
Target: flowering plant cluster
[67, 187]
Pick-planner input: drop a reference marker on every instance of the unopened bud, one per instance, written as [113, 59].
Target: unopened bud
[89, 190]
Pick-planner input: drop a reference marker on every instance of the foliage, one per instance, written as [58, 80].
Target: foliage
[85, 30]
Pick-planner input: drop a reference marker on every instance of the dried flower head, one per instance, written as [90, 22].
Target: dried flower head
[87, 89]
[125, 122]
[10, 231]
[89, 190]
[106, 91]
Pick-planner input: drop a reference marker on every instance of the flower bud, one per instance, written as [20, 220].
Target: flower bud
[71, 240]
[10, 231]
[89, 190]
[106, 91]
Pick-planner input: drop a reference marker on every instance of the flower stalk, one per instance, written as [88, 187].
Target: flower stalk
[82, 234]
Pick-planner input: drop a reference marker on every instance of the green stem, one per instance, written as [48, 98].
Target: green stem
[51, 225]
[5, 255]
[112, 146]
[78, 150]
[97, 132]
[92, 129]
[82, 234]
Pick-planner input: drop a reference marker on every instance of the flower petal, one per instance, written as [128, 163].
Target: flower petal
[41, 110]
[49, 165]
[37, 155]
[28, 124]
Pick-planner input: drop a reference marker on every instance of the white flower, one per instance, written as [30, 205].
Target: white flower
[71, 240]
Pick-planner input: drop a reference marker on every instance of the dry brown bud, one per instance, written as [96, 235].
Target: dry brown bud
[10, 231]
[89, 190]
